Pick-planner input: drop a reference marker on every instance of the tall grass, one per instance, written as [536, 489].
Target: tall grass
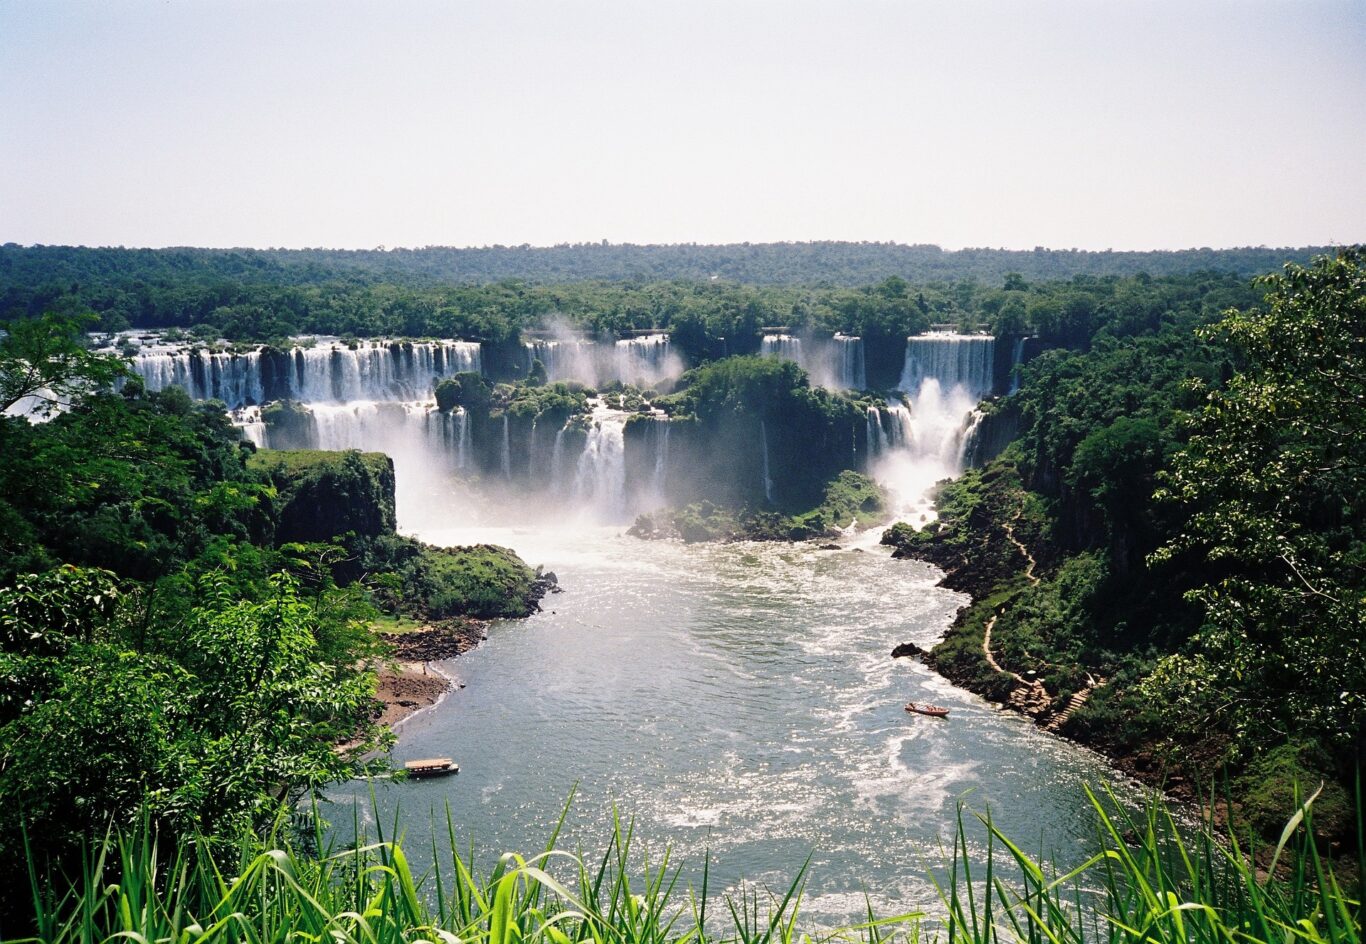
[1148, 881]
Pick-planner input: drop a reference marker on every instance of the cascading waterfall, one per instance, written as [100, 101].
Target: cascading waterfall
[657, 436]
[505, 454]
[326, 372]
[848, 371]
[564, 359]
[557, 463]
[646, 361]
[424, 443]
[531, 452]
[233, 378]
[783, 346]
[642, 362]
[252, 426]
[951, 360]
[462, 449]
[600, 480]
[1016, 357]
[944, 377]
[877, 436]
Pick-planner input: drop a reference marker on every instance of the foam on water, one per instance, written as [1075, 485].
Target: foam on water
[737, 699]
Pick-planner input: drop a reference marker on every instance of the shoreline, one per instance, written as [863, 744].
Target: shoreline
[1173, 781]
[416, 681]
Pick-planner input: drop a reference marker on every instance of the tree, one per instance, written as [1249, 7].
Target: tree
[1274, 480]
[210, 729]
[46, 362]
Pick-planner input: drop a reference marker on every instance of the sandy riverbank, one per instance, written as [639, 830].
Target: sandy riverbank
[415, 682]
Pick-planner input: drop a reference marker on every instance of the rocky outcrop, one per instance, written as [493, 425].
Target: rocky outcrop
[444, 640]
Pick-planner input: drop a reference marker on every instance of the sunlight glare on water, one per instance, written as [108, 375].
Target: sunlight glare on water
[738, 700]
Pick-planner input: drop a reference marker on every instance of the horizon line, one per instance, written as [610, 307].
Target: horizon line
[605, 244]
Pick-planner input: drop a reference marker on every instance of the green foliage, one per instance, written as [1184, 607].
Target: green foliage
[1274, 479]
[466, 389]
[45, 361]
[482, 581]
[133, 485]
[748, 409]
[188, 667]
[1226, 612]
[210, 728]
[535, 375]
[321, 495]
[1147, 881]
[850, 499]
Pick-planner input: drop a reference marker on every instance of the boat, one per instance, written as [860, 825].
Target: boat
[431, 767]
[934, 711]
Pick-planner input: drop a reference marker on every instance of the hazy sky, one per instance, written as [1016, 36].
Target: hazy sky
[1011, 123]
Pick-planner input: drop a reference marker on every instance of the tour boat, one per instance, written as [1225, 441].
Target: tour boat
[432, 767]
[933, 711]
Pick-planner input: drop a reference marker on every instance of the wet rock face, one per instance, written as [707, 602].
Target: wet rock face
[907, 649]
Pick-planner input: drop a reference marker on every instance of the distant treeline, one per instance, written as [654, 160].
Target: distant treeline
[792, 263]
[265, 296]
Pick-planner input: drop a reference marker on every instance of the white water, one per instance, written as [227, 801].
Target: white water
[646, 361]
[1016, 357]
[505, 453]
[565, 359]
[847, 363]
[325, 372]
[735, 702]
[923, 439]
[783, 346]
[600, 481]
[641, 362]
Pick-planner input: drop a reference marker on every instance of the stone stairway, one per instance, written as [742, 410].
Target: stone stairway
[1073, 705]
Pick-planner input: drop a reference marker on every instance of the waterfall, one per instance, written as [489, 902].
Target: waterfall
[600, 481]
[557, 463]
[1016, 357]
[325, 372]
[414, 434]
[564, 359]
[642, 362]
[847, 370]
[462, 448]
[966, 435]
[783, 346]
[952, 360]
[659, 437]
[645, 361]
[943, 379]
[768, 480]
[506, 453]
[233, 378]
[252, 426]
[878, 443]
[531, 453]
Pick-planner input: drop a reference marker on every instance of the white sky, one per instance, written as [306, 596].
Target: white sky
[1096, 124]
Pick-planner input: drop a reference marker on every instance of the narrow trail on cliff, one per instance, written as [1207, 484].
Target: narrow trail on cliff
[1035, 693]
[1032, 563]
[1031, 697]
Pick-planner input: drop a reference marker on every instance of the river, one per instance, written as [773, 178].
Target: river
[737, 701]
[733, 699]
